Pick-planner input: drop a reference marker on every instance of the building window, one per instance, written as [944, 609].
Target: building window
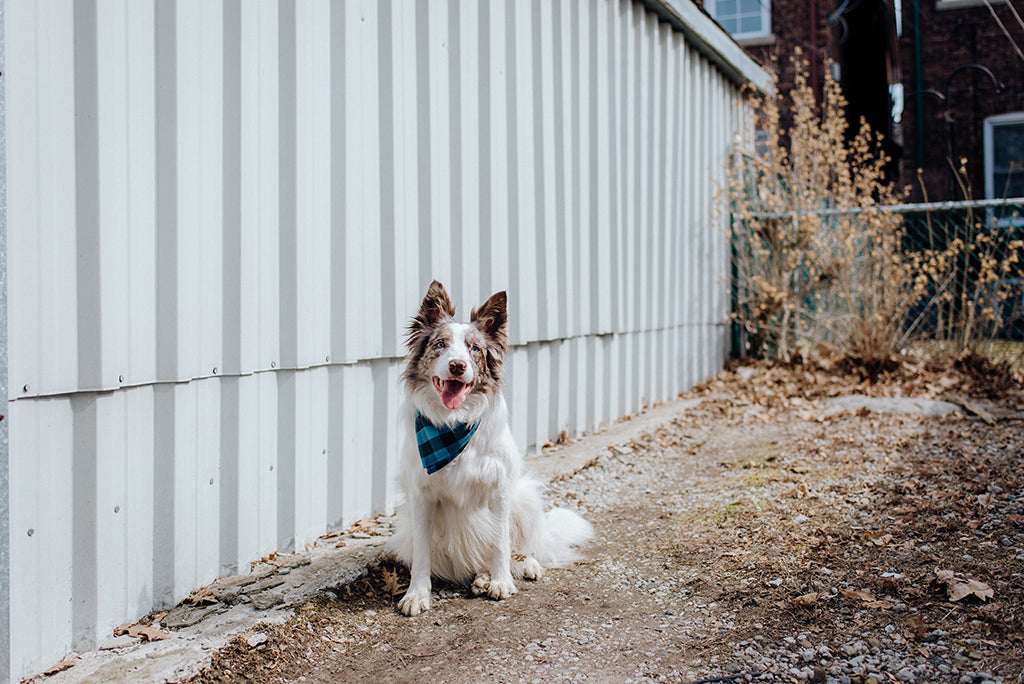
[1004, 156]
[742, 18]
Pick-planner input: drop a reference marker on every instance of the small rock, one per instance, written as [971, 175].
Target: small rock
[256, 639]
[122, 641]
[818, 674]
[267, 600]
[906, 675]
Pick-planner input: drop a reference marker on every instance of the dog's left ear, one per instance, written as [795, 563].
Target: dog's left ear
[492, 316]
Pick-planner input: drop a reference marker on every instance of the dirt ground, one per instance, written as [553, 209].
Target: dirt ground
[758, 537]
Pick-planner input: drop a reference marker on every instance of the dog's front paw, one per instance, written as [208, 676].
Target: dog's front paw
[414, 603]
[501, 589]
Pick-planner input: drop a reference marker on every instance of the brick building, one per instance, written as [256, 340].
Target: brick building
[938, 77]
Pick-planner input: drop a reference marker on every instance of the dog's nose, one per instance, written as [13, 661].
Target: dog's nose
[456, 368]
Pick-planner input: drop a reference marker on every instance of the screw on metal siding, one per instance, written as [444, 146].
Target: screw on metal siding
[25, 388]
[215, 371]
[117, 509]
[120, 378]
[31, 532]
[211, 480]
[273, 364]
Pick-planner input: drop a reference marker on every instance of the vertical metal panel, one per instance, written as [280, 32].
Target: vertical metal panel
[42, 356]
[41, 533]
[313, 182]
[222, 215]
[362, 160]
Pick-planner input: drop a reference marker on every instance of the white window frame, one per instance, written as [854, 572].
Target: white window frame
[963, 4]
[990, 124]
[766, 20]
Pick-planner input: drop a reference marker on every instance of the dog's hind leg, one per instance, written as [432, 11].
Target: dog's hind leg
[526, 566]
[532, 570]
[481, 584]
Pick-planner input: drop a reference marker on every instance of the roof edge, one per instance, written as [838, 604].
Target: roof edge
[712, 41]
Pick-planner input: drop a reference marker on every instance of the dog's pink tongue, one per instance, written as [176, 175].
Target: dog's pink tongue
[453, 393]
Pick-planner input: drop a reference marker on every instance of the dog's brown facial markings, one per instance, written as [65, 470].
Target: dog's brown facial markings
[430, 335]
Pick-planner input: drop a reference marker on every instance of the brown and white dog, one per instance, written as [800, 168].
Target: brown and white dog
[470, 513]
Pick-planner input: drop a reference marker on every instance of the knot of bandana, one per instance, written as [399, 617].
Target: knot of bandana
[439, 446]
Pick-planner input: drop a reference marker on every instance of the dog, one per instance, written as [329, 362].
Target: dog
[470, 513]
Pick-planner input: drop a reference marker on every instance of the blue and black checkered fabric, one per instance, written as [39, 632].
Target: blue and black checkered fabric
[439, 446]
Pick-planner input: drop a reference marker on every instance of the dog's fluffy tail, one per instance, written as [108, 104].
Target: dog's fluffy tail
[564, 531]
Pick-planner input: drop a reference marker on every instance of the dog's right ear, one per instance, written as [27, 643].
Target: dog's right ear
[435, 307]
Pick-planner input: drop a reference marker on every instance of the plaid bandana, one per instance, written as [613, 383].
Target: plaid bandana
[439, 446]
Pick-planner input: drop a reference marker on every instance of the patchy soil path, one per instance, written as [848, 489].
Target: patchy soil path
[752, 538]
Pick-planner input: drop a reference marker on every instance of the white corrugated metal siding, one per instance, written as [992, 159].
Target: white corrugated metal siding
[221, 214]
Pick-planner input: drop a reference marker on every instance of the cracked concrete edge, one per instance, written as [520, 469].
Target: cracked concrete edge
[191, 648]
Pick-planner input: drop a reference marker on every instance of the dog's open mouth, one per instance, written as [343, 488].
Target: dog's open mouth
[453, 392]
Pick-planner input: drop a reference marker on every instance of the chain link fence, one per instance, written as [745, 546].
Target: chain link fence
[982, 293]
[949, 273]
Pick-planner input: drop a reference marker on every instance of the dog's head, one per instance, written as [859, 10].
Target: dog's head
[459, 361]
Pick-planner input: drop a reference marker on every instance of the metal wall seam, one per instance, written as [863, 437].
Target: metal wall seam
[5, 483]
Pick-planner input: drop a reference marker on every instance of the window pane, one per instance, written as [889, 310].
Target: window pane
[729, 24]
[1008, 160]
[750, 24]
[725, 8]
[750, 7]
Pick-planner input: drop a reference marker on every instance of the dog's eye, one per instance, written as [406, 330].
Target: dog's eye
[476, 349]
[440, 344]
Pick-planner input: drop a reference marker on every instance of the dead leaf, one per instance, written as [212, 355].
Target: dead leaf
[391, 584]
[202, 597]
[147, 632]
[918, 627]
[959, 587]
[807, 599]
[121, 630]
[883, 605]
[65, 664]
[866, 599]
[856, 595]
[877, 538]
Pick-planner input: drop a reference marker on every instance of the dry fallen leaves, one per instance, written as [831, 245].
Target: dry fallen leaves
[202, 597]
[959, 586]
[807, 599]
[391, 584]
[877, 538]
[866, 599]
[141, 631]
[65, 664]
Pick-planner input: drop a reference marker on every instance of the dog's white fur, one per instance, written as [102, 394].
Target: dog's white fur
[479, 519]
